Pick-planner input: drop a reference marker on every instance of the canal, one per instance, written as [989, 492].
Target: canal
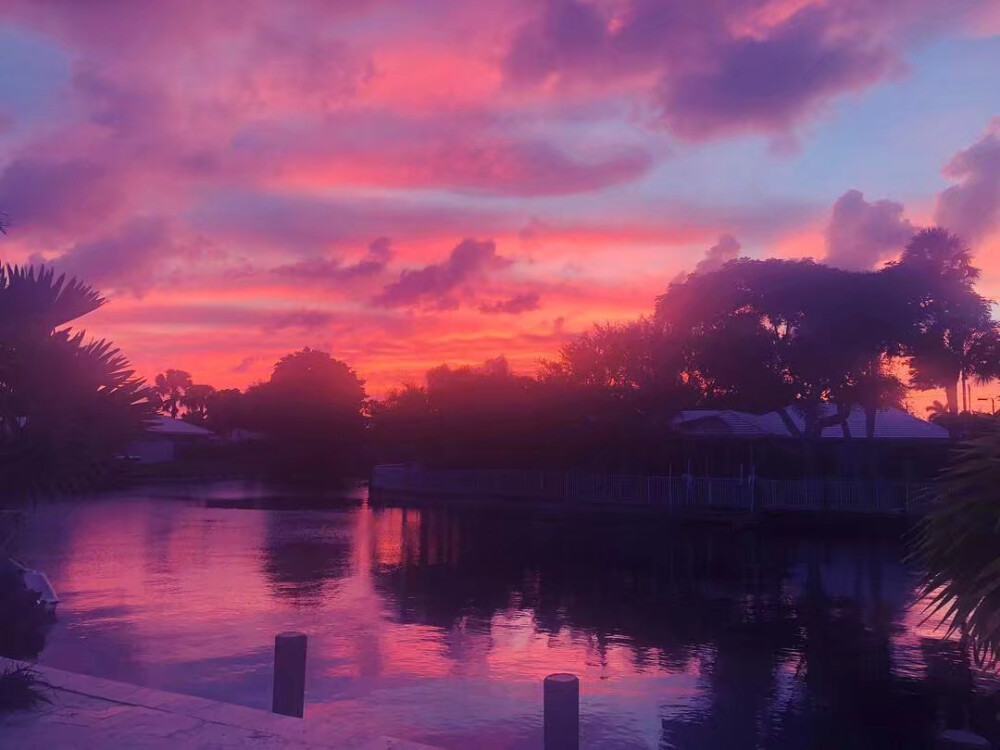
[439, 624]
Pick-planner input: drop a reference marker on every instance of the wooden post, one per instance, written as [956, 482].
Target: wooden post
[562, 712]
[289, 688]
[959, 739]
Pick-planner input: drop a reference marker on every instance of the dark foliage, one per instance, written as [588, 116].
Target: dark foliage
[20, 688]
[67, 405]
[24, 620]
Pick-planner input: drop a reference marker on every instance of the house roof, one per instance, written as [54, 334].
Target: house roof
[890, 424]
[162, 425]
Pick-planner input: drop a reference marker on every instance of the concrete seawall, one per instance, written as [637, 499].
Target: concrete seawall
[91, 712]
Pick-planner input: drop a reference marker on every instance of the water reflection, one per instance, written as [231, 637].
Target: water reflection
[438, 625]
[303, 553]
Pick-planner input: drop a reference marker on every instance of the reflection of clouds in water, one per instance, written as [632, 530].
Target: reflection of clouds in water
[439, 625]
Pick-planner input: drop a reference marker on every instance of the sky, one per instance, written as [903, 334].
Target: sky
[405, 183]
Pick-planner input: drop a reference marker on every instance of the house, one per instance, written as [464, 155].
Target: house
[725, 442]
[168, 439]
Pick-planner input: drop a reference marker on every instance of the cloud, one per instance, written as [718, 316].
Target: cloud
[331, 270]
[515, 305]
[712, 69]
[58, 196]
[307, 224]
[861, 234]
[434, 286]
[972, 207]
[769, 84]
[723, 251]
[307, 320]
[473, 151]
[132, 259]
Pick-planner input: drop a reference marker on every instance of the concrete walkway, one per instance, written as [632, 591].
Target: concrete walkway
[89, 712]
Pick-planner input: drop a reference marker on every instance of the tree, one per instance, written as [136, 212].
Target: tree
[953, 337]
[226, 410]
[171, 387]
[311, 410]
[958, 544]
[195, 399]
[66, 404]
[777, 332]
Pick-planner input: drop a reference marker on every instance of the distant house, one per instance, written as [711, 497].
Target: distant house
[724, 442]
[890, 424]
[168, 439]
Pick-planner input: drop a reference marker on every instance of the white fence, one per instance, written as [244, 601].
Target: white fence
[671, 493]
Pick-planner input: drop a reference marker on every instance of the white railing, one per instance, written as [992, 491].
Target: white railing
[672, 493]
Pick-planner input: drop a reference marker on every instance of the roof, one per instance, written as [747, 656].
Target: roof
[890, 424]
[162, 425]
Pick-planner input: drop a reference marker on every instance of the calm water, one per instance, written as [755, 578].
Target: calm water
[438, 625]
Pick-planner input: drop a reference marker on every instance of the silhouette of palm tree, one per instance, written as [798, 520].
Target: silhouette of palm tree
[66, 404]
[172, 386]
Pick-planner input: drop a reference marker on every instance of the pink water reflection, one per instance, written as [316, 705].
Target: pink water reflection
[440, 627]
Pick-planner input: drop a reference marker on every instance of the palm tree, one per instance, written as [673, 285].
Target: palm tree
[959, 545]
[66, 404]
[195, 399]
[936, 410]
[171, 386]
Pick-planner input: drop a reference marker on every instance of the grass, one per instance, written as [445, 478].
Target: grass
[21, 687]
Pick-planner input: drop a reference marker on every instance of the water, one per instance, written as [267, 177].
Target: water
[438, 625]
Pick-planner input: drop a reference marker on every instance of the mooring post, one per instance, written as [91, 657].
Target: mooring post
[289, 689]
[562, 712]
[959, 739]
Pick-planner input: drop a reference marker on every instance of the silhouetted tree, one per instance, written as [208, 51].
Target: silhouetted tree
[171, 387]
[953, 336]
[311, 409]
[808, 334]
[195, 399]
[226, 410]
[66, 404]
[958, 544]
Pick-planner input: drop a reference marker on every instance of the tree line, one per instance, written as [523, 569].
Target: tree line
[755, 335]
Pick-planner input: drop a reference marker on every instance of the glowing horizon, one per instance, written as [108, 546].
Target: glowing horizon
[405, 188]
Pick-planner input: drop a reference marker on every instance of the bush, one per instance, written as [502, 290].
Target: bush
[20, 688]
[24, 620]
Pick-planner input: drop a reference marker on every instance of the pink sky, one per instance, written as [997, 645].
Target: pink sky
[405, 184]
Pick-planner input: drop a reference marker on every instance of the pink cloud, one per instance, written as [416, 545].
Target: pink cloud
[519, 303]
[861, 234]
[471, 151]
[972, 207]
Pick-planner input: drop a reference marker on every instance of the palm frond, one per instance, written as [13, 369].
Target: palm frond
[958, 544]
[37, 297]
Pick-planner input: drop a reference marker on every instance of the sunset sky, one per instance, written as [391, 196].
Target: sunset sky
[409, 182]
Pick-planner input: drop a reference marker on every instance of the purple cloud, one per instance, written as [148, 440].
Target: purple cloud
[515, 305]
[711, 69]
[972, 207]
[768, 84]
[331, 270]
[723, 251]
[131, 259]
[433, 286]
[860, 234]
[59, 196]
